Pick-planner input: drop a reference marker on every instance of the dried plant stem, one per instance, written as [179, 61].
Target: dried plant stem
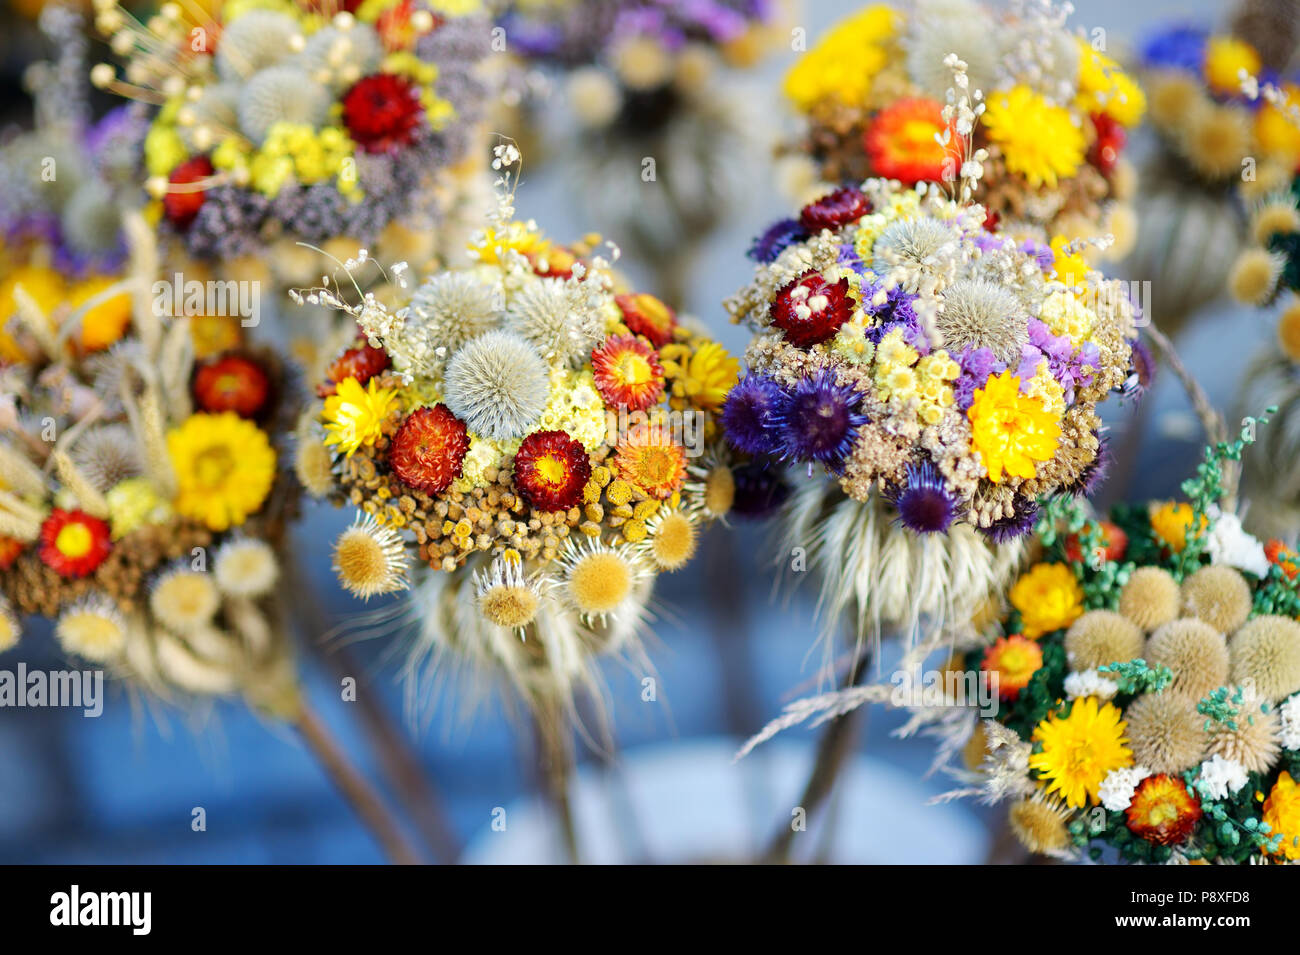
[833, 750]
[555, 767]
[353, 786]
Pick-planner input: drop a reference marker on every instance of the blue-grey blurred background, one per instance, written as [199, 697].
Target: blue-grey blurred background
[122, 788]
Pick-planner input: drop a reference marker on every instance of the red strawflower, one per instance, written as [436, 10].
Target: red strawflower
[1286, 558]
[73, 543]
[810, 310]
[232, 382]
[1163, 811]
[10, 548]
[181, 206]
[991, 221]
[382, 112]
[551, 470]
[846, 204]
[361, 362]
[428, 450]
[646, 315]
[901, 143]
[1111, 138]
[1114, 544]
[628, 373]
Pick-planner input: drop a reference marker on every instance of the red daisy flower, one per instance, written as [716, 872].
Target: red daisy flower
[648, 457]
[382, 111]
[810, 310]
[648, 316]
[361, 362]
[428, 450]
[1163, 811]
[900, 142]
[1111, 138]
[1114, 544]
[1014, 659]
[232, 382]
[551, 470]
[1286, 558]
[10, 548]
[838, 208]
[73, 543]
[628, 373]
[180, 206]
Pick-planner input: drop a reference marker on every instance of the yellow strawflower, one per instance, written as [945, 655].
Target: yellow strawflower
[1011, 431]
[1039, 141]
[354, 416]
[224, 468]
[1079, 750]
[1048, 597]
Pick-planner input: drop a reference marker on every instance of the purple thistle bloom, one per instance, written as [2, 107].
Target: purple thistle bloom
[1142, 370]
[1180, 47]
[778, 237]
[749, 414]
[1094, 475]
[1012, 528]
[925, 505]
[820, 421]
[760, 490]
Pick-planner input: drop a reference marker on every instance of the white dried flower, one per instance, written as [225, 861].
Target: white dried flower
[1221, 777]
[1117, 789]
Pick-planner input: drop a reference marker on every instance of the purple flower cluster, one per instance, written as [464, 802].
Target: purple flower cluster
[978, 365]
[895, 312]
[816, 421]
[1068, 367]
[925, 505]
[1180, 47]
[778, 237]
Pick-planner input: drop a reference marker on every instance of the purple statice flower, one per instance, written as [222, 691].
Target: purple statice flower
[1007, 529]
[1094, 475]
[778, 237]
[760, 489]
[1069, 367]
[895, 312]
[1142, 370]
[1042, 252]
[749, 414]
[988, 242]
[819, 421]
[925, 505]
[1181, 47]
[977, 366]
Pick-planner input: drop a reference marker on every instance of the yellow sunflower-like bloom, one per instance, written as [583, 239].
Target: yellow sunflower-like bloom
[1105, 88]
[490, 248]
[1277, 133]
[1011, 431]
[844, 63]
[1080, 749]
[1282, 813]
[1039, 141]
[354, 416]
[46, 289]
[1225, 58]
[1171, 521]
[104, 323]
[224, 468]
[703, 376]
[1048, 597]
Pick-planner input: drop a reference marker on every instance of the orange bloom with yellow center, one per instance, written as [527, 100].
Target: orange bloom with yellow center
[1282, 813]
[1011, 431]
[74, 543]
[628, 373]
[1163, 811]
[649, 458]
[1048, 597]
[902, 145]
[1286, 558]
[1014, 659]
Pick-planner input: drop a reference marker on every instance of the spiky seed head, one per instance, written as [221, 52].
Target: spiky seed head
[497, 384]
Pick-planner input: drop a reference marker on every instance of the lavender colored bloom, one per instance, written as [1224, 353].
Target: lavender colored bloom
[896, 312]
[977, 366]
[778, 237]
[819, 421]
[1180, 47]
[1070, 368]
[1042, 253]
[988, 242]
[925, 505]
[760, 490]
[1012, 528]
[749, 414]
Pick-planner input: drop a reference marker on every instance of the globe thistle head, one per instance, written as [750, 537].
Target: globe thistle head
[925, 504]
[370, 559]
[246, 567]
[216, 109]
[672, 538]
[255, 41]
[1101, 637]
[1012, 527]
[557, 318]
[281, 94]
[597, 580]
[91, 223]
[92, 628]
[184, 600]
[1254, 276]
[339, 54]
[976, 313]
[1039, 823]
[963, 27]
[1151, 598]
[1165, 732]
[1142, 370]
[107, 455]
[819, 421]
[1194, 651]
[1252, 737]
[450, 309]
[1218, 595]
[749, 414]
[921, 242]
[497, 384]
[505, 596]
[1265, 654]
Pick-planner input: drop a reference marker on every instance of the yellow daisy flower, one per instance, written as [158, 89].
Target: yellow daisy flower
[1039, 141]
[1048, 597]
[1225, 58]
[224, 468]
[105, 322]
[1105, 88]
[845, 61]
[1079, 750]
[354, 416]
[1171, 521]
[1011, 431]
[706, 376]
